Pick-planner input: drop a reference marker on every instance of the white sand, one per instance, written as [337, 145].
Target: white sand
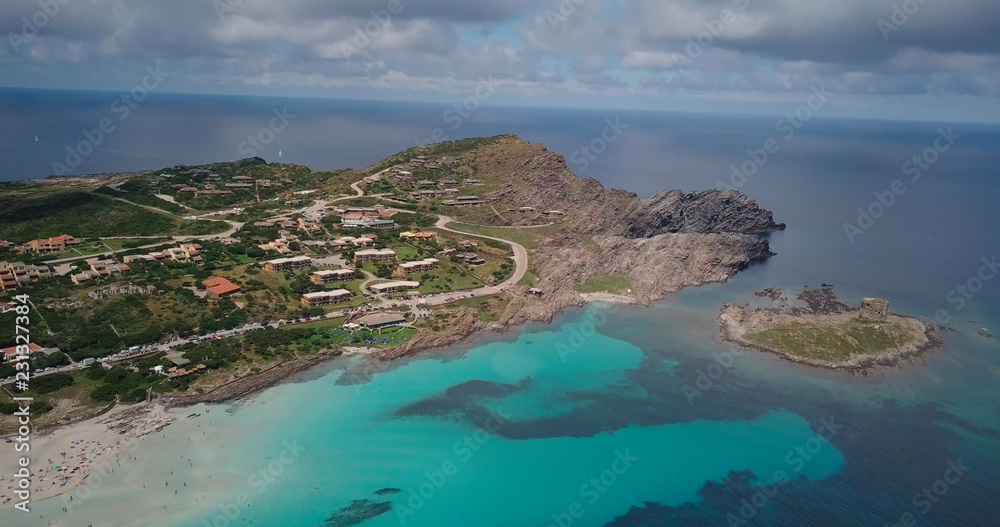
[79, 450]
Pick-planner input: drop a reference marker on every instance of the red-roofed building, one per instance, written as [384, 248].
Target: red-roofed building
[10, 353]
[51, 245]
[219, 287]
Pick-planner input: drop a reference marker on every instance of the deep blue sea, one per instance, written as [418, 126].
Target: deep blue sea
[649, 420]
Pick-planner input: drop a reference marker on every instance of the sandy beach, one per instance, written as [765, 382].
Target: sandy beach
[63, 458]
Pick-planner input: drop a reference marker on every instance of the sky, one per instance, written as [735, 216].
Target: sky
[895, 59]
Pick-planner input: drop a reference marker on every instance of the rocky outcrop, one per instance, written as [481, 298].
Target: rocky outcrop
[535, 177]
[705, 211]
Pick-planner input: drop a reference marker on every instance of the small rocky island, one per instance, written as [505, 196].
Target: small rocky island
[828, 333]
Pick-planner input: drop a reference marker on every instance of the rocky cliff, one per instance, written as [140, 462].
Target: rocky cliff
[661, 244]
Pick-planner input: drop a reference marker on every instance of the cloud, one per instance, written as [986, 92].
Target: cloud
[599, 48]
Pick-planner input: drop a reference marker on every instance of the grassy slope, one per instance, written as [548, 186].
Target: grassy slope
[606, 283]
[25, 216]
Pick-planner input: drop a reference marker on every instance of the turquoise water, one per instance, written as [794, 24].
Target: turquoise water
[590, 421]
[459, 437]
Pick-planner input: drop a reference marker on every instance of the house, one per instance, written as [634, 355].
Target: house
[334, 275]
[239, 185]
[266, 183]
[423, 194]
[84, 276]
[323, 298]
[473, 183]
[418, 266]
[183, 372]
[212, 192]
[107, 267]
[381, 320]
[466, 245]
[404, 175]
[418, 235]
[554, 213]
[286, 264]
[449, 182]
[4, 244]
[535, 291]
[8, 280]
[309, 226]
[267, 224]
[392, 287]
[426, 183]
[219, 287]
[526, 209]
[472, 259]
[371, 180]
[242, 178]
[375, 255]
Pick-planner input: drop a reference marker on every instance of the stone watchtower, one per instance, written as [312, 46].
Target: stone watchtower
[874, 309]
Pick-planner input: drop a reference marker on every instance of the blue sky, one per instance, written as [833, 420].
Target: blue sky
[904, 59]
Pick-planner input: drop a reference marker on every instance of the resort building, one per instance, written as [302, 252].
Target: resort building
[360, 241]
[461, 201]
[418, 266]
[375, 255]
[287, 264]
[367, 222]
[219, 287]
[14, 274]
[328, 276]
[381, 320]
[423, 194]
[56, 244]
[392, 287]
[325, 298]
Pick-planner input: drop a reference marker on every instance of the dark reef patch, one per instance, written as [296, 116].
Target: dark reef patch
[357, 512]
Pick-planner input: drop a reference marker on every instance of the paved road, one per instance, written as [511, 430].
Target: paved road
[233, 227]
[520, 254]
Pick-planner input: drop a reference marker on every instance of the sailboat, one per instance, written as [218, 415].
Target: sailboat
[279, 153]
[36, 138]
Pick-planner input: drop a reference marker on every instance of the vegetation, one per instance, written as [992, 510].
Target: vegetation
[528, 237]
[606, 283]
[87, 215]
[834, 343]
